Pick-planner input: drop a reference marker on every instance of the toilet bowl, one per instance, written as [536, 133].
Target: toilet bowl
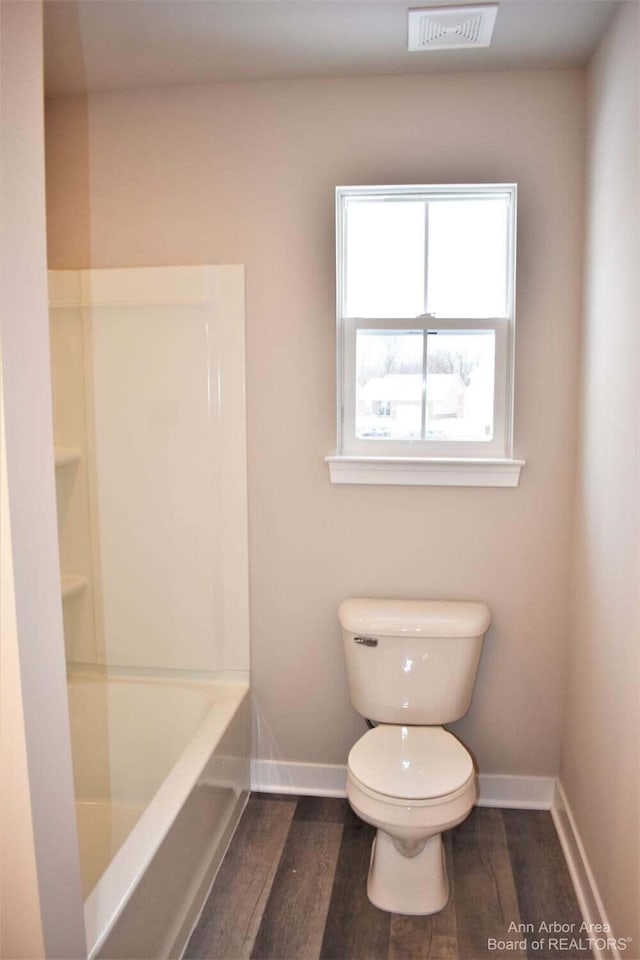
[411, 783]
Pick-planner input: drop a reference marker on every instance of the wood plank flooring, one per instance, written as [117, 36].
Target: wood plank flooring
[293, 887]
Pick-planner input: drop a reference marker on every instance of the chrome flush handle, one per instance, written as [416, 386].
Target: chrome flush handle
[366, 641]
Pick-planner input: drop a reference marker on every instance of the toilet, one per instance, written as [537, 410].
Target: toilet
[411, 667]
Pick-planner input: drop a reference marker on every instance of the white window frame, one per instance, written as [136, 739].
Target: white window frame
[428, 461]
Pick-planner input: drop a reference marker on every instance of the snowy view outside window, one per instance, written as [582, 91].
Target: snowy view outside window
[425, 306]
[459, 385]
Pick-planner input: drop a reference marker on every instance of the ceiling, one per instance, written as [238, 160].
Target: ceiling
[94, 45]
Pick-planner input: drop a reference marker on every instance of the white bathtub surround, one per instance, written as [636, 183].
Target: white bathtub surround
[162, 775]
[149, 414]
[149, 379]
[69, 361]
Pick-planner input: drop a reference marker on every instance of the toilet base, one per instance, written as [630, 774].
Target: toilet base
[411, 885]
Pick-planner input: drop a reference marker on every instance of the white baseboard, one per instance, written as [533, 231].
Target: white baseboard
[521, 793]
[589, 899]
[274, 776]
[316, 779]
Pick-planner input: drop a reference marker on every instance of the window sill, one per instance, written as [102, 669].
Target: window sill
[426, 472]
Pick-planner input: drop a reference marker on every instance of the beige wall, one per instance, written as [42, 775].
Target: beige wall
[600, 757]
[245, 173]
[38, 826]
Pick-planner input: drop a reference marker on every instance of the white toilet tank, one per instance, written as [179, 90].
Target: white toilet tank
[412, 661]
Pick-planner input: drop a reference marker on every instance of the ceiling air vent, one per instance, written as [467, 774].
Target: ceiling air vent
[451, 28]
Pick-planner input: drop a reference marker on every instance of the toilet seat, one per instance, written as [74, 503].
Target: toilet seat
[415, 765]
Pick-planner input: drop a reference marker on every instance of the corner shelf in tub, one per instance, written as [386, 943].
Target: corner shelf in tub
[71, 585]
[66, 456]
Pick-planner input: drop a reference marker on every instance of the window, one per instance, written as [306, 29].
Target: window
[425, 309]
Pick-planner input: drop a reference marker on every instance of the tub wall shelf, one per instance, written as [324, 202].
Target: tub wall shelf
[66, 456]
[71, 585]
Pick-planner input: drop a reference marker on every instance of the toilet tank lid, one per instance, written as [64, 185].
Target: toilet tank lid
[415, 618]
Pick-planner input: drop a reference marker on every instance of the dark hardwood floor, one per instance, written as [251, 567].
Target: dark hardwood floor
[293, 887]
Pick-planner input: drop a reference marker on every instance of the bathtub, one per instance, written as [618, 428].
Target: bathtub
[161, 772]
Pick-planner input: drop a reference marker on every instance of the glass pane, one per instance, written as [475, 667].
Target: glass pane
[460, 381]
[385, 258]
[467, 263]
[389, 384]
